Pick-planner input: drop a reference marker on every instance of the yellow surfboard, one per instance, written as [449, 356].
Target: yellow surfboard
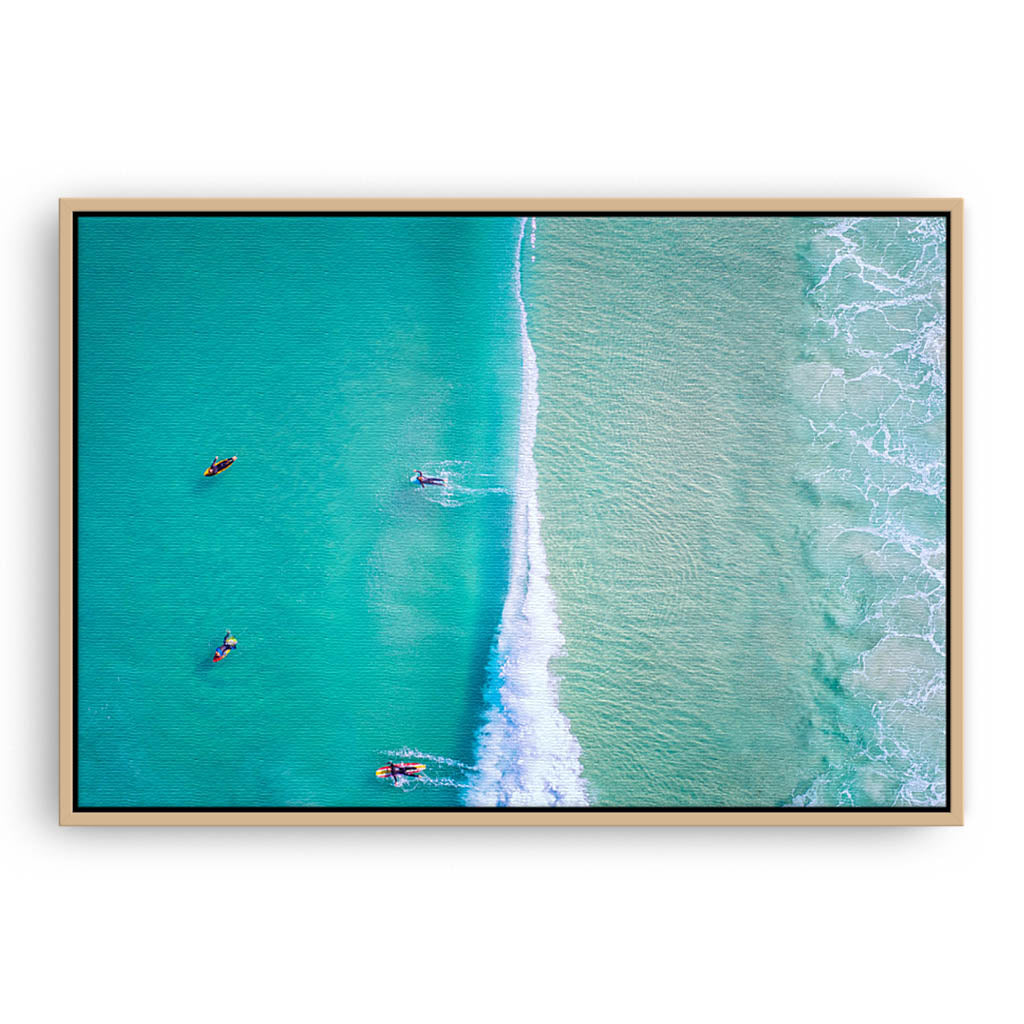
[408, 766]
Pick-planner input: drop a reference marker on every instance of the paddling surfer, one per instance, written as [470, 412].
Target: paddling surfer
[424, 480]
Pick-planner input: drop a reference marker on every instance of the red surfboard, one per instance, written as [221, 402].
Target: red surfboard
[409, 768]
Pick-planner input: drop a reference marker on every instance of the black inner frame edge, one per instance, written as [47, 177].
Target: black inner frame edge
[77, 807]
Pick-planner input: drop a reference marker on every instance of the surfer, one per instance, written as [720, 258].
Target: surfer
[219, 465]
[396, 771]
[424, 480]
[230, 643]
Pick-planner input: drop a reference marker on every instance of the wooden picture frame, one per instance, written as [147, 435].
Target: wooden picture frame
[74, 813]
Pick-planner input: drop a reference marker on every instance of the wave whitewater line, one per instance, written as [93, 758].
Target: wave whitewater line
[527, 755]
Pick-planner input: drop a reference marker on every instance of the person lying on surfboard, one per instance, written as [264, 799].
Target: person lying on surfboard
[230, 643]
[219, 465]
[396, 771]
[424, 480]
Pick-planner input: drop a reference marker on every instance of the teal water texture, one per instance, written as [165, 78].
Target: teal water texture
[692, 550]
[334, 356]
[742, 475]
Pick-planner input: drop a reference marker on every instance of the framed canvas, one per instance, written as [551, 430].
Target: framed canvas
[511, 511]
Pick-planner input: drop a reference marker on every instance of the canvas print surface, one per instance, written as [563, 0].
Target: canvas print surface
[417, 511]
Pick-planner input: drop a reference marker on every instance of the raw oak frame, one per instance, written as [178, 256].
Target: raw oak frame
[953, 814]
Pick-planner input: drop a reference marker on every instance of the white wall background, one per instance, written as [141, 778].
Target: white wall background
[427, 98]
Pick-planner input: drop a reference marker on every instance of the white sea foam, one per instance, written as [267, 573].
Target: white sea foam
[527, 755]
[443, 772]
[875, 403]
[407, 753]
[460, 482]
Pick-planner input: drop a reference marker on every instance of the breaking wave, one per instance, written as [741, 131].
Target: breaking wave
[527, 755]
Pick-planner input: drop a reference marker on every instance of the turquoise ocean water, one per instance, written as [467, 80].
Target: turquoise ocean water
[334, 357]
[742, 473]
[691, 551]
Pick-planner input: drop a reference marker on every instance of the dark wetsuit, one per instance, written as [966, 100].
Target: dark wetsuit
[397, 772]
[424, 480]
